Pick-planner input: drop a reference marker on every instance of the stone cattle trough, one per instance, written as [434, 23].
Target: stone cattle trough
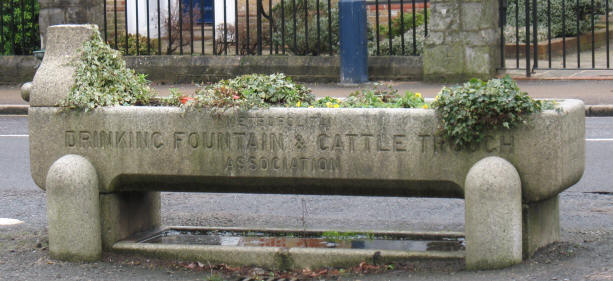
[103, 170]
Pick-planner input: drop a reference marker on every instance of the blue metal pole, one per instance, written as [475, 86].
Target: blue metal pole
[353, 41]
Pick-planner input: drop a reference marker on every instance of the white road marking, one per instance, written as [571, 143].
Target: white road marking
[15, 136]
[599, 140]
[6, 221]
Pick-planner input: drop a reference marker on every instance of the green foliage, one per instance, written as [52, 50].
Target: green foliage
[466, 112]
[252, 91]
[132, 39]
[304, 45]
[572, 12]
[375, 98]
[102, 79]
[397, 24]
[339, 235]
[24, 33]
[384, 49]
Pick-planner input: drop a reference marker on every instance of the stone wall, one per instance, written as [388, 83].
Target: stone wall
[17, 69]
[54, 12]
[187, 69]
[463, 40]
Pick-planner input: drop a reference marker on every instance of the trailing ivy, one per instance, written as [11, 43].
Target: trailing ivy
[101, 78]
[252, 91]
[467, 111]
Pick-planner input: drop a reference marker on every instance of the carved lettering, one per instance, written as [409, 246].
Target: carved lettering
[69, 139]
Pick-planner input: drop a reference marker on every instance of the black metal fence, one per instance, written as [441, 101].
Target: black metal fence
[555, 34]
[257, 27]
[19, 33]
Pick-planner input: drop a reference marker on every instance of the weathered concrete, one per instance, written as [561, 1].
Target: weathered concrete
[53, 78]
[26, 90]
[123, 214]
[279, 258]
[73, 210]
[541, 225]
[305, 151]
[493, 223]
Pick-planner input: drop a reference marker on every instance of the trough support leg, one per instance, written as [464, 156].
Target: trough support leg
[126, 213]
[493, 215]
[541, 225]
[73, 210]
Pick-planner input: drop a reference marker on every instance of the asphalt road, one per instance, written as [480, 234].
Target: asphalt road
[586, 219]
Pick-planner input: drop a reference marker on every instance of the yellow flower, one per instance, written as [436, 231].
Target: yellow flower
[328, 104]
[336, 105]
[425, 106]
[418, 95]
[436, 98]
[298, 104]
[310, 106]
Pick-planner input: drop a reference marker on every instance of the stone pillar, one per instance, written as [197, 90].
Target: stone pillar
[73, 210]
[493, 223]
[53, 12]
[541, 225]
[463, 40]
[127, 213]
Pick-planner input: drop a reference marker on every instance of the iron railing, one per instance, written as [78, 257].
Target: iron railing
[257, 27]
[554, 34]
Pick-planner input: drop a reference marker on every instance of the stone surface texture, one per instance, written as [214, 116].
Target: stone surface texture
[301, 151]
[123, 214]
[541, 224]
[53, 79]
[17, 69]
[462, 41]
[73, 210]
[278, 258]
[26, 90]
[55, 12]
[187, 69]
[493, 223]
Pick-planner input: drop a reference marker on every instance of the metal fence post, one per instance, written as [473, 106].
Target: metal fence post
[353, 41]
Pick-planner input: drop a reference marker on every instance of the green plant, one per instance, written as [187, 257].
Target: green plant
[466, 112]
[305, 45]
[572, 11]
[253, 91]
[403, 24]
[102, 79]
[214, 277]
[132, 40]
[384, 45]
[377, 97]
[19, 23]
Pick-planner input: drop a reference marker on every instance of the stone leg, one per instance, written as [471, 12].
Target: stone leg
[73, 210]
[493, 215]
[541, 225]
[127, 213]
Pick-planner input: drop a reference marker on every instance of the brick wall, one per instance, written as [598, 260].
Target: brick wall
[111, 7]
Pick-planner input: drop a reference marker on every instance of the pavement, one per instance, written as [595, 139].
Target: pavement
[595, 91]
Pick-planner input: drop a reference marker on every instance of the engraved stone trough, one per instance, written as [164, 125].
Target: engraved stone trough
[103, 170]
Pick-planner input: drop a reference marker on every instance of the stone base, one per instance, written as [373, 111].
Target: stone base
[493, 215]
[73, 210]
[541, 225]
[126, 213]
